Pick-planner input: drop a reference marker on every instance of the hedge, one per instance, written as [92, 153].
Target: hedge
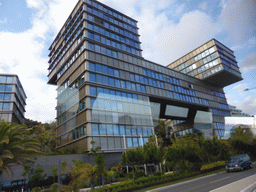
[212, 166]
[145, 182]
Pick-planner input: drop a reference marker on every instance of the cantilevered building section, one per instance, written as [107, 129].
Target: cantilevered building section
[212, 62]
[108, 93]
[12, 99]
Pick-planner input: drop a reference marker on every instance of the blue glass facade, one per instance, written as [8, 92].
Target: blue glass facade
[109, 94]
[12, 99]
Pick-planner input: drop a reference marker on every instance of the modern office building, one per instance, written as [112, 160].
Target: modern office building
[108, 93]
[12, 99]
[237, 112]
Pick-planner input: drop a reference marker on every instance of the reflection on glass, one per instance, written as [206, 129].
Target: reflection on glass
[176, 111]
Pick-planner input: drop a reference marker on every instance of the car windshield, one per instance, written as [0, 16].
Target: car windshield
[234, 159]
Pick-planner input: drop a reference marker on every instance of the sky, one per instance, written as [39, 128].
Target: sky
[168, 28]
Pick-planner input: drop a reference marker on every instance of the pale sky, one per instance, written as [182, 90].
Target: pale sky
[168, 29]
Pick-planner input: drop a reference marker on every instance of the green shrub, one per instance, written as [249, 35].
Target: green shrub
[158, 173]
[142, 181]
[139, 173]
[54, 187]
[36, 189]
[213, 165]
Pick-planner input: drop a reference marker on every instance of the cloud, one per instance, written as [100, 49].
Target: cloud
[22, 55]
[3, 21]
[180, 9]
[203, 6]
[166, 35]
[238, 18]
[249, 63]
[173, 41]
[248, 44]
[247, 106]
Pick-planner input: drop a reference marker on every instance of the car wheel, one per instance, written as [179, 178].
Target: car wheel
[250, 166]
[241, 168]
[227, 171]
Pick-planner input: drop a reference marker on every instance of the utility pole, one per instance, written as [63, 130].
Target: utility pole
[59, 175]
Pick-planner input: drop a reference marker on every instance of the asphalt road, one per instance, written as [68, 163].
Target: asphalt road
[221, 182]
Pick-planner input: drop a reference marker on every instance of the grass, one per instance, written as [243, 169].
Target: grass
[182, 180]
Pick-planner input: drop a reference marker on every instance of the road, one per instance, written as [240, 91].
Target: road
[221, 182]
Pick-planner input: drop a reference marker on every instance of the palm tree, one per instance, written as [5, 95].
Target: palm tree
[80, 173]
[16, 146]
[163, 132]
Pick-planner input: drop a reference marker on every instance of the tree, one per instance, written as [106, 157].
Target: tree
[152, 154]
[214, 149]
[243, 134]
[117, 169]
[80, 173]
[163, 132]
[185, 152]
[54, 172]
[99, 168]
[44, 133]
[241, 140]
[34, 174]
[37, 178]
[134, 156]
[16, 146]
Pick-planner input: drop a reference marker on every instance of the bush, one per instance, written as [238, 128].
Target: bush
[143, 181]
[139, 173]
[54, 187]
[212, 166]
[36, 189]
[158, 173]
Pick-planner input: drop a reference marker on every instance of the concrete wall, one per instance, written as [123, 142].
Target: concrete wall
[47, 162]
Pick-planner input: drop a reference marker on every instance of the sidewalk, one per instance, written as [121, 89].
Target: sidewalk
[88, 189]
[247, 184]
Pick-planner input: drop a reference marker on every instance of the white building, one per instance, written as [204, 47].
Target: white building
[234, 122]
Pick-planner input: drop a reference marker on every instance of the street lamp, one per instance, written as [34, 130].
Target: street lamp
[254, 119]
[247, 89]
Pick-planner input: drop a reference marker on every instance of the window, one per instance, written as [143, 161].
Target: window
[6, 106]
[91, 46]
[94, 103]
[103, 129]
[90, 35]
[7, 97]
[9, 80]
[134, 131]
[93, 91]
[135, 142]
[171, 94]
[129, 142]
[98, 68]
[110, 129]
[2, 79]
[105, 80]
[122, 130]
[8, 88]
[116, 129]
[116, 73]
[97, 48]
[92, 66]
[99, 78]
[111, 82]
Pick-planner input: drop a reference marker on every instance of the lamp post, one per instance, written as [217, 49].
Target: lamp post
[248, 89]
[254, 118]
